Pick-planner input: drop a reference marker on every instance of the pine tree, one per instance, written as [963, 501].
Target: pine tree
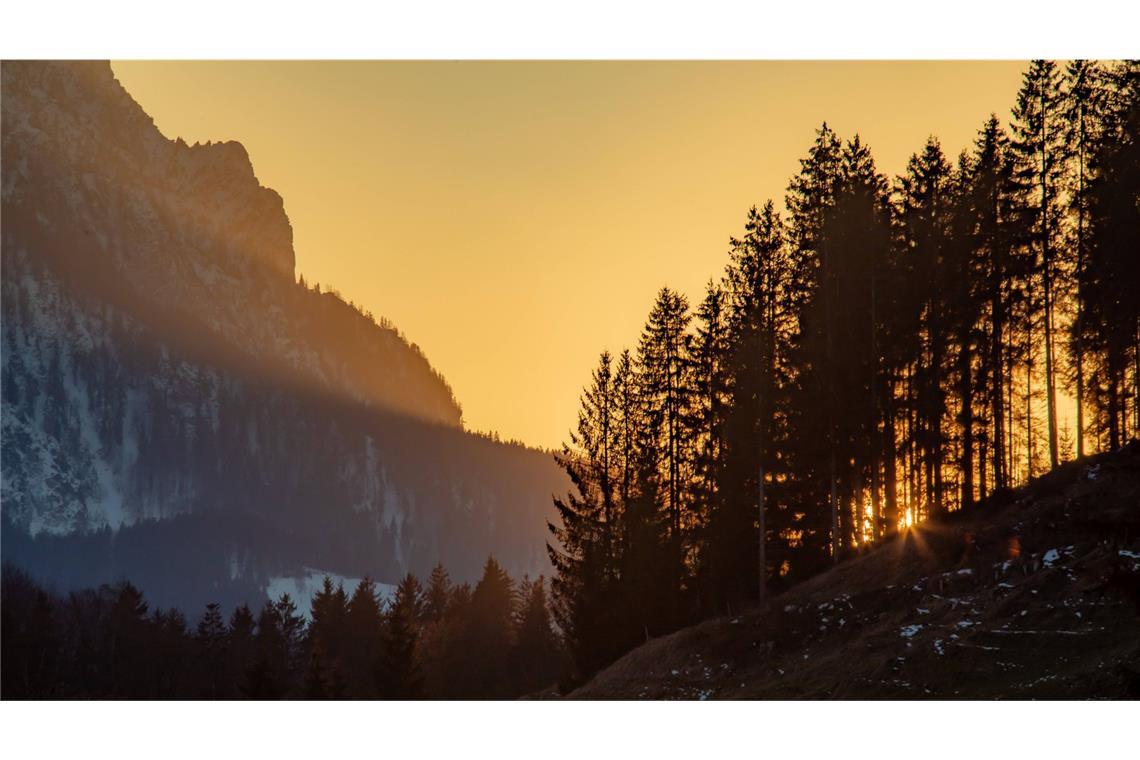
[858, 227]
[267, 674]
[1003, 269]
[925, 214]
[535, 659]
[626, 427]
[365, 623]
[709, 404]
[444, 647]
[437, 594]
[318, 681]
[1040, 151]
[811, 195]
[211, 639]
[399, 674]
[292, 634]
[328, 614]
[1110, 329]
[128, 637]
[964, 320]
[240, 646]
[490, 632]
[587, 534]
[1083, 106]
[642, 602]
[663, 360]
[762, 302]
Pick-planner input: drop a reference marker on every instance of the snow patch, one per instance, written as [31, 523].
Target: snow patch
[302, 588]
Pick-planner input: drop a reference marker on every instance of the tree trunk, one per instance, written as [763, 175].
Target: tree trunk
[997, 391]
[874, 420]
[889, 455]
[1029, 387]
[966, 420]
[835, 538]
[1079, 358]
[762, 565]
[1047, 276]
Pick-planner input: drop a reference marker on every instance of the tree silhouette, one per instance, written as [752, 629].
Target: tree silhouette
[399, 673]
[877, 359]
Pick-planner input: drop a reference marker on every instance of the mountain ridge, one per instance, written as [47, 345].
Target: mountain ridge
[214, 243]
[180, 411]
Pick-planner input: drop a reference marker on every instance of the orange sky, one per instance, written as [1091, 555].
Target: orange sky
[514, 219]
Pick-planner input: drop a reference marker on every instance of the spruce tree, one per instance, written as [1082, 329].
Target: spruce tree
[365, 627]
[535, 660]
[1040, 151]
[437, 594]
[709, 404]
[292, 627]
[399, 674]
[1083, 105]
[211, 640]
[490, 632]
[810, 196]
[1110, 327]
[583, 550]
[240, 646]
[318, 680]
[267, 674]
[1001, 270]
[327, 629]
[664, 364]
[762, 294]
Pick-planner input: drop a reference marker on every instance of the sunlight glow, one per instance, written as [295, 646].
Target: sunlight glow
[906, 522]
[466, 201]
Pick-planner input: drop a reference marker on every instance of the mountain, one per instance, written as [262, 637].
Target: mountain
[1034, 594]
[179, 410]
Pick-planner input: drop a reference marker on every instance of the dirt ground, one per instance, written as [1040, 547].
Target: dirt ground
[1033, 596]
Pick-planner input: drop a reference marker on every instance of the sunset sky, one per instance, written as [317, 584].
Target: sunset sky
[514, 219]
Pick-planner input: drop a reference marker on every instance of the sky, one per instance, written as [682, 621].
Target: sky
[514, 219]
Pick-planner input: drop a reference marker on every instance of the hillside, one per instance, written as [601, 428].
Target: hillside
[1034, 595]
[179, 410]
[184, 237]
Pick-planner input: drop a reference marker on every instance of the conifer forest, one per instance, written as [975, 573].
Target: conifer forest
[885, 370]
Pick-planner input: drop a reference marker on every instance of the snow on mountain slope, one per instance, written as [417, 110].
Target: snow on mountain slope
[302, 588]
[179, 411]
[91, 184]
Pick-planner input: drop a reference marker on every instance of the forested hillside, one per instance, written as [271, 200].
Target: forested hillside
[439, 639]
[886, 351]
[181, 411]
[1033, 593]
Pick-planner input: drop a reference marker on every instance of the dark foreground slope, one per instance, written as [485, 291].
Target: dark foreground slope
[1033, 596]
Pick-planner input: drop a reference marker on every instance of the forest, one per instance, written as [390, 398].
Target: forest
[884, 352]
[442, 641]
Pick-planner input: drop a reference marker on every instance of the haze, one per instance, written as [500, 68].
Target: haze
[514, 219]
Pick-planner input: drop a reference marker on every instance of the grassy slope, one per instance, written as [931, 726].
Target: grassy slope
[1033, 597]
